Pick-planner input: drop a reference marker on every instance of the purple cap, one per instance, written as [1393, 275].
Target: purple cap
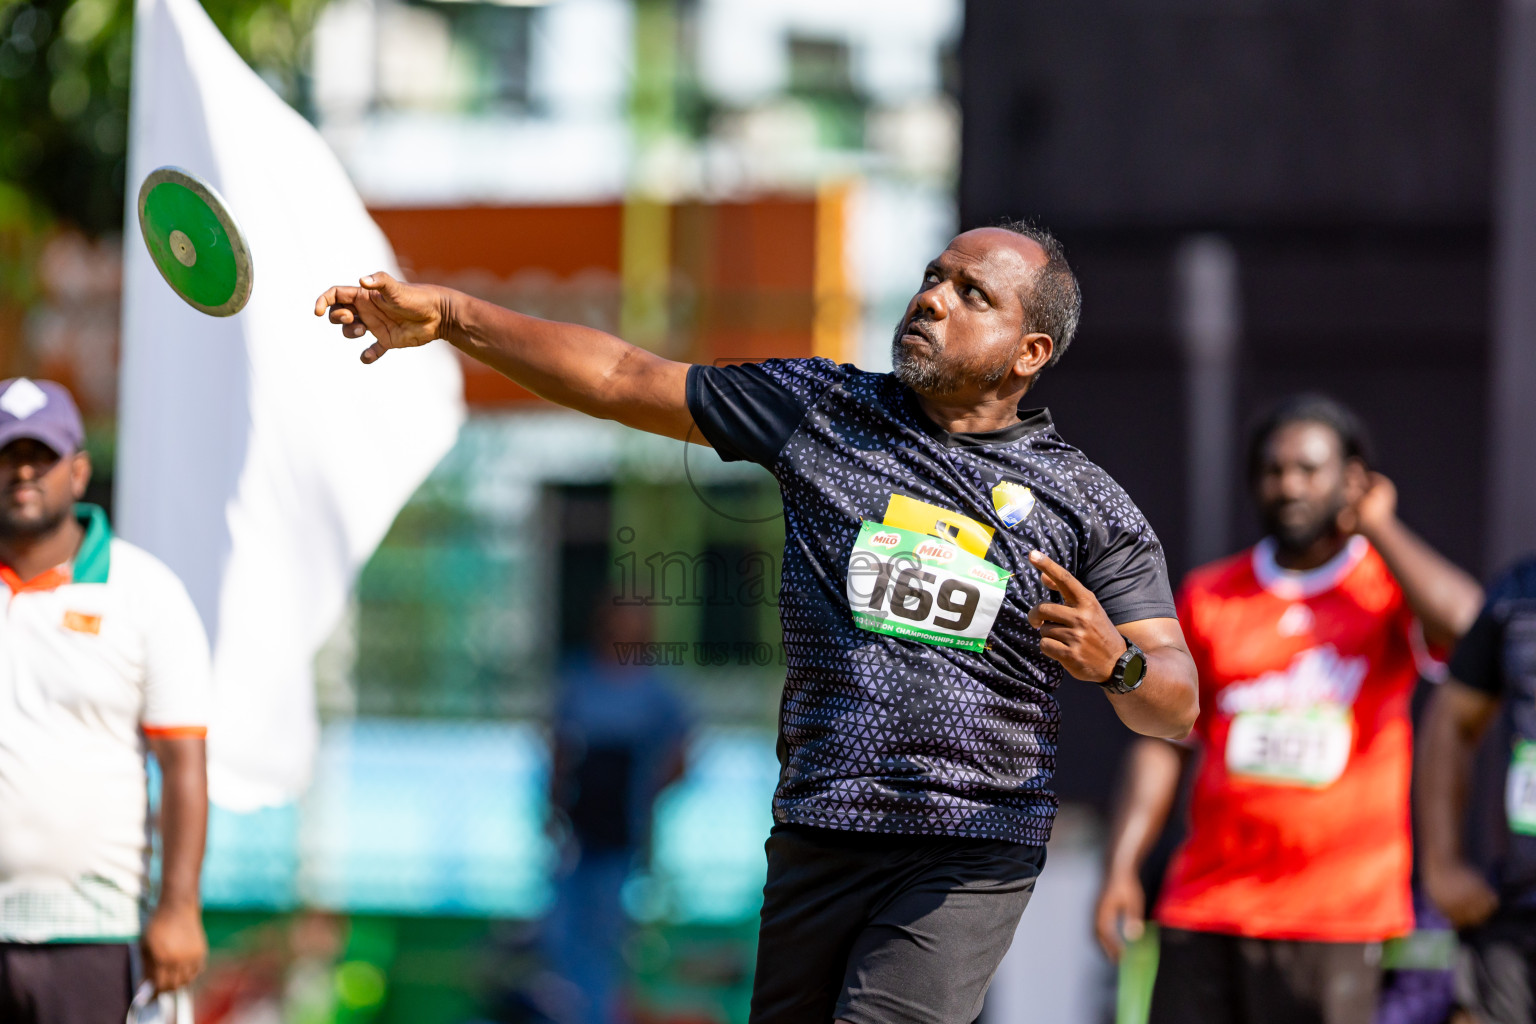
[42, 411]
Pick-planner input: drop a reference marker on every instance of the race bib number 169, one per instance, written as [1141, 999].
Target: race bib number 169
[909, 585]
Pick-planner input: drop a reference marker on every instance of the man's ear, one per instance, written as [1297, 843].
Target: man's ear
[79, 474]
[1034, 352]
[1357, 479]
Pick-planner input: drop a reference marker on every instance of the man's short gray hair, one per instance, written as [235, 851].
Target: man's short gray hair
[1055, 304]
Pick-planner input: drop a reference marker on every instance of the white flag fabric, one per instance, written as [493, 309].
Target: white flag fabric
[256, 456]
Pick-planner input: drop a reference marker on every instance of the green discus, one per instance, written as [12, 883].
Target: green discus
[195, 241]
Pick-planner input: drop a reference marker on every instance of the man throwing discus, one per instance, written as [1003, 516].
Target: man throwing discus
[948, 559]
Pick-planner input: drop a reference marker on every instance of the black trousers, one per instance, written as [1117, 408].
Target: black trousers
[885, 929]
[1206, 978]
[65, 983]
[1496, 969]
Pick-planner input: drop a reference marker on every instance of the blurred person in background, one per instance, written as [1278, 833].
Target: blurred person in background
[948, 560]
[1493, 904]
[1309, 645]
[619, 738]
[105, 661]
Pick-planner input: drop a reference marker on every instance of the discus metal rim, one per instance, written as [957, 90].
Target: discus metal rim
[245, 272]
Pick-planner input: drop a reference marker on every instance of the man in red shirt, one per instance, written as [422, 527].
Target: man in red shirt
[1308, 646]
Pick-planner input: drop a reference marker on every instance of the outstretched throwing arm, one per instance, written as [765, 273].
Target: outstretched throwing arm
[585, 369]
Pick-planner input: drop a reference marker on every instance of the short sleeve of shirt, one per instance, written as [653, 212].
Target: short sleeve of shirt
[178, 671]
[748, 411]
[1127, 572]
[1477, 661]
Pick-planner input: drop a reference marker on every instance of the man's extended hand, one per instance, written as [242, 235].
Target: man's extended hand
[397, 314]
[1075, 632]
[175, 947]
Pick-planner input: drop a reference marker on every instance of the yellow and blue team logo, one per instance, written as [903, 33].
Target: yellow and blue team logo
[1013, 502]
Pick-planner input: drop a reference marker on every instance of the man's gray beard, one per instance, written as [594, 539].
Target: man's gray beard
[929, 374]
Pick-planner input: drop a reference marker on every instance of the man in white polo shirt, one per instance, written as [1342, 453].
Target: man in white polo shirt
[102, 659]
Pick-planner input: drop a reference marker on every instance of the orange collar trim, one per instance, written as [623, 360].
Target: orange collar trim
[52, 579]
[175, 732]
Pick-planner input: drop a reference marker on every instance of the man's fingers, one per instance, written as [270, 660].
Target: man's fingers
[163, 977]
[168, 977]
[341, 295]
[347, 296]
[1058, 579]
[372, 353]
[380, 281]
[1049, 611]
[1054, 649]
[356, 319]
[1107, 928]
[372, 319]
[1054, 631]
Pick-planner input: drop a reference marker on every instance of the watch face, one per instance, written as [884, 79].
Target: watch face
[1135, 668]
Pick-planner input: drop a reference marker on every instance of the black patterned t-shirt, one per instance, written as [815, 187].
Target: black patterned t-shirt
[883, 734]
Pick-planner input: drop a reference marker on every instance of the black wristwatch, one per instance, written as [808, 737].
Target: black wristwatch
[1128, 672]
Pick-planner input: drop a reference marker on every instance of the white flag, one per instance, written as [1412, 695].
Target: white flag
[256, 456]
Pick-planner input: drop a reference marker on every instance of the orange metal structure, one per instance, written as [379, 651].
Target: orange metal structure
[745, 280]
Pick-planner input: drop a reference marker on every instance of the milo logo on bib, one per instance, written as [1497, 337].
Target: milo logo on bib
[921, 588]
[934, 551]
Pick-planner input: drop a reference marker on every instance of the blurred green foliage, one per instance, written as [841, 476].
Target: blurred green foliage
[65, 67]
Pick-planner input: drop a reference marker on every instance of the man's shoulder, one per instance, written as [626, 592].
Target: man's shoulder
[795, 382]
[808, 376]
[1083, 484]
[1512, 594]
[1374, 577]
[1044, 443]
[1516, 583]
[135, 569]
